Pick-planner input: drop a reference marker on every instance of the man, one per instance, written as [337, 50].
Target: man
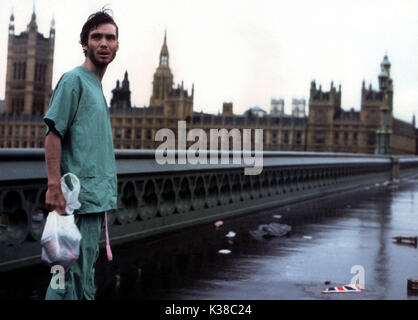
[79, 140]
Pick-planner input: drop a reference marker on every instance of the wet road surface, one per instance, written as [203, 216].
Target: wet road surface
[329, 236]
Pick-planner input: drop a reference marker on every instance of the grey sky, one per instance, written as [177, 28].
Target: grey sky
[242, 51]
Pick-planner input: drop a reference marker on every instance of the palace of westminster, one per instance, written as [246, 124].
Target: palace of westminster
[326, 128]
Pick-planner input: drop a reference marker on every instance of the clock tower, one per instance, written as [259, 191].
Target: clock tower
[163, 78]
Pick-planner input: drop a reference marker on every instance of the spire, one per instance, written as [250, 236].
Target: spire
[164, 51]
[125, 82]
[12, 23]
[52, 28]
[32, 24]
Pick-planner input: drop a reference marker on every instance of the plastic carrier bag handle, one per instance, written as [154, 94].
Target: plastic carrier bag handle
[71, 196]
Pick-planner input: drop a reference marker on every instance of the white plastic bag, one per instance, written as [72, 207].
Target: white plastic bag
[61, 238]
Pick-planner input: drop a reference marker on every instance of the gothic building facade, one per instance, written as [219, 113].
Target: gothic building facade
[335, 130]
[28, 85]
[135, 127]
[326, 128]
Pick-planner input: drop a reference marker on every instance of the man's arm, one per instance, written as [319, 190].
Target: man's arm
[54, 198]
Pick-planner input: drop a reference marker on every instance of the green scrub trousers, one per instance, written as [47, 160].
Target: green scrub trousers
[79, 279]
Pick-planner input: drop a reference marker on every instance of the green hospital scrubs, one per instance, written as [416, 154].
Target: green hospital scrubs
[78, 113]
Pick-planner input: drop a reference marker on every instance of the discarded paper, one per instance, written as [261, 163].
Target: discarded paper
[230, 234]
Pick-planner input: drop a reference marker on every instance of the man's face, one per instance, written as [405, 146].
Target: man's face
[102, 45]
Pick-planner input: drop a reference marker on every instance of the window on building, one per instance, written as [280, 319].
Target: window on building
[336, 137]
[286, 137]
[319, 137]
[345, 138]
[118, 133]
[128, 133]
[355, 138]
[372, 116]
[320, 115]
[298, 138]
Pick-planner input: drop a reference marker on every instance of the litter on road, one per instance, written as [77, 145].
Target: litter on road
[352, 287]
[270, 230]
[412, 284]
[401, 239]
[218, 224]
[230, 234]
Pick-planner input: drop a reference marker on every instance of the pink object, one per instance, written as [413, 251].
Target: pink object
[108, 249]
[218, 224]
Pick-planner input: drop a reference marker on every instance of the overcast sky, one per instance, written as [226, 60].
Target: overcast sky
[242, 51]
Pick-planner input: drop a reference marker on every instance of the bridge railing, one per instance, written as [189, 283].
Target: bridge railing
[155, 198]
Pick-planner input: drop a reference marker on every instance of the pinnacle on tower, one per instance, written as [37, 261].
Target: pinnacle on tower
[164, 51]
[52, 28]
[125, 82]
[12, 23]
[32, 24]
[53, 22]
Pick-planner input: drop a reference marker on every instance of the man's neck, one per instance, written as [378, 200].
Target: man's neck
[99, 72]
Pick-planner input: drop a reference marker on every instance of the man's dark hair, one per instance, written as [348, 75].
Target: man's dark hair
[93, 22]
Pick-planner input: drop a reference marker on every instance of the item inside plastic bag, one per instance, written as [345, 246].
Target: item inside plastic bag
[61, 238]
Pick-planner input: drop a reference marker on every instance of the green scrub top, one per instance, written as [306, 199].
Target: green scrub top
[78, 112]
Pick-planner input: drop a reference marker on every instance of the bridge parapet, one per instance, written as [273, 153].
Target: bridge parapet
[155, 198]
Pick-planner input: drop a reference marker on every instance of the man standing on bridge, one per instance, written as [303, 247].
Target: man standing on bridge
[79, 140]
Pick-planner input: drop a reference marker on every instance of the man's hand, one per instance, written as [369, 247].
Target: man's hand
[55, 200]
